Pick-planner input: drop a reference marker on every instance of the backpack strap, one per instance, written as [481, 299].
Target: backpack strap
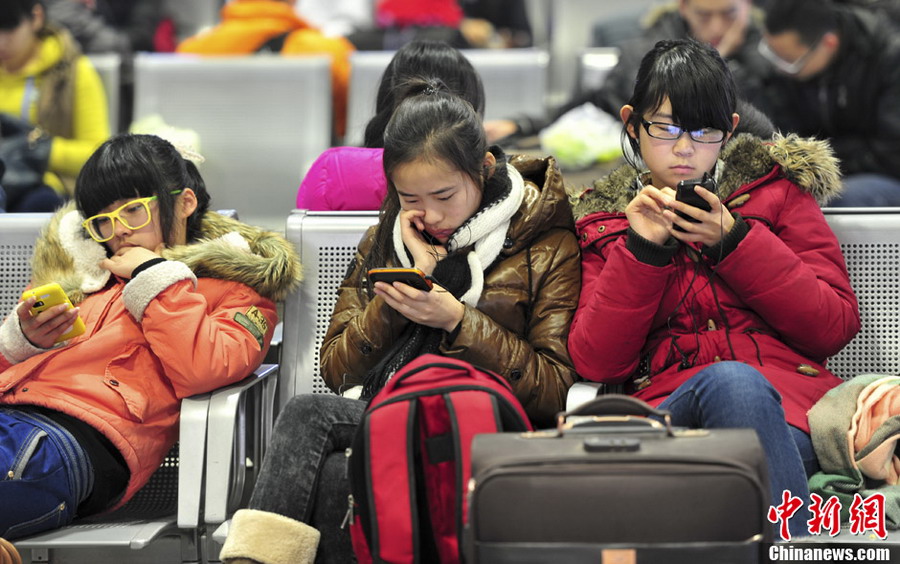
[465, 428]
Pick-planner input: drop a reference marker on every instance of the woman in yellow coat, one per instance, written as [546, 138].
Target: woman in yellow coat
[53, 111]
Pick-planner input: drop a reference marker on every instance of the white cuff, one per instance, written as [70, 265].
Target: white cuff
[150, 283]
[13, 343]
[269, 538]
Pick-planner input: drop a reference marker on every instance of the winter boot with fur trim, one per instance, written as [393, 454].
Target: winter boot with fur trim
[8, 553]
[268, 538]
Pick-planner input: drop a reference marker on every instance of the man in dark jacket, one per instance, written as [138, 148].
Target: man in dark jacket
[733, 27]
[839, 79]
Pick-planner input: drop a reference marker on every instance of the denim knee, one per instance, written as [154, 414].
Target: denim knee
[305, 409]
[300, 408]
[736, 383]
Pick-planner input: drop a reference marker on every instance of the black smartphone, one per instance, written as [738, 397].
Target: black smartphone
[411, 276]
[684, 192]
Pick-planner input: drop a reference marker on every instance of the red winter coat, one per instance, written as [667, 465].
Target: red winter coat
[782, 298]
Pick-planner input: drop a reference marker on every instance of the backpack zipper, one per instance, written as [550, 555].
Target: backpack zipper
[348, 517]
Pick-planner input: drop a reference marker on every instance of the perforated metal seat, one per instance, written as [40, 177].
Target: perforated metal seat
[19, 231]
[595, 65]
[515, 82]
[326, 242]
[164, 517]
[870, 241]
[262, 120]
[109, 67]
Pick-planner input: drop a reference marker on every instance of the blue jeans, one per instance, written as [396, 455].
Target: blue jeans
[734, 394]
[45, 474]
[869, 190]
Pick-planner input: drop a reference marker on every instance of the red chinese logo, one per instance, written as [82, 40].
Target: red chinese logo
[866, 514]
[782, 513]
[826, 515]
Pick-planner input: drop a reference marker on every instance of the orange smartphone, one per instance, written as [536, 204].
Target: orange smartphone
[410, 276]
[50, 295]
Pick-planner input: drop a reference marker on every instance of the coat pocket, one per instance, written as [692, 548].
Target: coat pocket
[125, 376]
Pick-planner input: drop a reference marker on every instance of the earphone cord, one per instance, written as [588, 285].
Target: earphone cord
[684, 361]
[712, 274]
[711, 282]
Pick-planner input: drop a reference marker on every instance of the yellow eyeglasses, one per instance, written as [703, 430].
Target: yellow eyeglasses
[133, 215]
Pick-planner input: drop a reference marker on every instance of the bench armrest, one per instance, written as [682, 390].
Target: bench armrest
[226, 438]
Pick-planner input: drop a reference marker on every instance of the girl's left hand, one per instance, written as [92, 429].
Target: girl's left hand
[126, 259]
[713, 225]
[437, 308]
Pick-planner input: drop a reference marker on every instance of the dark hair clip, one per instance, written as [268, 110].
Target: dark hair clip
[430, 90]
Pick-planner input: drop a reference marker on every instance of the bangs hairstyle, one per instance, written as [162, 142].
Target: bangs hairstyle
[128, 167]
[420, 60]
[14, 12]
[695, 79]
[433, 125]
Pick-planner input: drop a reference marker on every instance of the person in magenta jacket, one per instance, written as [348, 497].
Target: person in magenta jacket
[729, 322]
[177, 300]
[352, 178]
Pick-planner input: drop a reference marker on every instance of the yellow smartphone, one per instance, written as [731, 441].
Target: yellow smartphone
[50, 295]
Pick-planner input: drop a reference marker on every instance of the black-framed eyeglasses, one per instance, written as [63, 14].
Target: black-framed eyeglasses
[671, 132]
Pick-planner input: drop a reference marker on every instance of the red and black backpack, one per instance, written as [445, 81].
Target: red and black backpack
[409, 465]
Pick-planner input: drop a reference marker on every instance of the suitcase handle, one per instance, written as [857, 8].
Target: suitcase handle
[615, 404]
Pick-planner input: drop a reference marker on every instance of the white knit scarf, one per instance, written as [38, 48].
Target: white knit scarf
[486, 229]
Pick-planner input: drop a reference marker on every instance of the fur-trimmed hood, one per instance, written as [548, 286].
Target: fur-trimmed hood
[228, 250]
[809, 163]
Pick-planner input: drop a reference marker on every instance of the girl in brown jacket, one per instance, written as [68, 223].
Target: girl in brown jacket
[497, 239]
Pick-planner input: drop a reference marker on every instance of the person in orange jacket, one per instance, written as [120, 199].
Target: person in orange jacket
[251, 26]
[176, 300]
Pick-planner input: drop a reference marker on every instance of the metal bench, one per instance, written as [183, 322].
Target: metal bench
[262, 121]
[204, 476]
[515, 82]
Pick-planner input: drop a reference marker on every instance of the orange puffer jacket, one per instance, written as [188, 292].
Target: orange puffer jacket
[246, 25]
[182, 327]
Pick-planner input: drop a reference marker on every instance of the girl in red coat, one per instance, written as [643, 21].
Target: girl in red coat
[724, 317]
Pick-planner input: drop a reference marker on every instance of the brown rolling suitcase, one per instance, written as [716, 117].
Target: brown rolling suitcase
[618, 487]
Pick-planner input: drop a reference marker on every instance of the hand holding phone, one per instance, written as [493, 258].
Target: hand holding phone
[410, 276]
[48, 296]
[685, 193]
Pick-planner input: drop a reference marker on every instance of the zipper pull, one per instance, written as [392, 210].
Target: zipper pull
[348, 517]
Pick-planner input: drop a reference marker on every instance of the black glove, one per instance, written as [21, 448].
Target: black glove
[12, 126]
[25, 150]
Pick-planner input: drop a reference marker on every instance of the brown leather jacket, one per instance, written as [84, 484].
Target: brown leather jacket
[520, 326]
